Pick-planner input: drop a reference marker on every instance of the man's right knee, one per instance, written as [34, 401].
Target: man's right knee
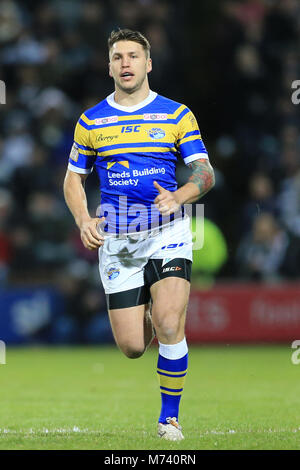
[133, 352]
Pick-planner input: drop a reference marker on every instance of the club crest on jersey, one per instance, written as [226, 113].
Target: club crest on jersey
[156, 133]
[112, 271]
[74, 152]
[155, 117]
[106, 120]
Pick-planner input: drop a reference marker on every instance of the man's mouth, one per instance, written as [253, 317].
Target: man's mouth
[126, 75]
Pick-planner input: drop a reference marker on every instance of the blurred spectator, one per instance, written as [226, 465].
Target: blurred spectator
[84, 319]
[6, 203]
[22, 262]
[161, 53]
[127, 13]
[289, 203]
[39, 176]
[17, 148]
[10, 21]
[45, 21]
[261, 199]
[268, 253]
[92, 25]
[27, 50]
[29, 86]
[49, 229]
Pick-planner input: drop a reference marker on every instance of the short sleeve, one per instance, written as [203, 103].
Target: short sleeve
[189, 142]
[82, 155]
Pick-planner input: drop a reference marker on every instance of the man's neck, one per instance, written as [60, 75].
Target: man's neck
[126, 99]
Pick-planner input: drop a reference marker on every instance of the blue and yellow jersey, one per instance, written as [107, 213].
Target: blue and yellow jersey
[130, 148]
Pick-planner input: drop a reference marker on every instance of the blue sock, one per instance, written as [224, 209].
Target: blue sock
[171, 372]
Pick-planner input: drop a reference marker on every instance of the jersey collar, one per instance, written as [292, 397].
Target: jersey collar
[130, 109]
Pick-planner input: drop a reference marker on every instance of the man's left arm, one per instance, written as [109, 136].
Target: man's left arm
[199, 183]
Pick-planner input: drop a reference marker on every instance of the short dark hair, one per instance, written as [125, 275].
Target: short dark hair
[129, 35]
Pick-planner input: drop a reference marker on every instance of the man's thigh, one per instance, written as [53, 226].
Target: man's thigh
[128, 326]
[170, 298]
[170, 295]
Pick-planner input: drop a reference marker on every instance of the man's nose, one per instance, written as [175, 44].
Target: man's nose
[125, 62]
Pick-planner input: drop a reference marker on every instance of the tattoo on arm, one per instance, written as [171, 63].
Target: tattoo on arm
[202, 176]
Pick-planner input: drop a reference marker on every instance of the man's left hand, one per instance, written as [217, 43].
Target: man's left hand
[166, 201]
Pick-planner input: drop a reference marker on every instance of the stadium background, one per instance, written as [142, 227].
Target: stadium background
[233, 63]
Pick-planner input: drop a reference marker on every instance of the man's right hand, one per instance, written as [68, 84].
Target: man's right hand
[90, 236]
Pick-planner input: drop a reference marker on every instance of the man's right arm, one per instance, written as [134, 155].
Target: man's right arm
[75, 198]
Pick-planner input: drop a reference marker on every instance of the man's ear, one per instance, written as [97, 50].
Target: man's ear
[149, 65]
[109, 71]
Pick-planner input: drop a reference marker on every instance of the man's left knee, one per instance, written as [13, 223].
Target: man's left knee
[168, 323]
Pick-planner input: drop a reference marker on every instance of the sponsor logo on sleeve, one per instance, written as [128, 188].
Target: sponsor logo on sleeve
[193, 121]
[74, 153]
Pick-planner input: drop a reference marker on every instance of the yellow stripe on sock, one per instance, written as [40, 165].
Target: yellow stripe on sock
[172, 373]
[170, 393]
[171, 382]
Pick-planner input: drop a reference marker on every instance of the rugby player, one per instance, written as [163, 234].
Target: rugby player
[133, 139]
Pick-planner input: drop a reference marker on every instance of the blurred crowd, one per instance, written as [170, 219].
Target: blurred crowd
[253, 58]
[264, 136]
[54, 62]
[233, 62]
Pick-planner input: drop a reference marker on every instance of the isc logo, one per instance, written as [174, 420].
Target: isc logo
[130, 129]
[172, 245]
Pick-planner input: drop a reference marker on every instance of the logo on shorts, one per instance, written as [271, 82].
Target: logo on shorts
[171, 268]
[112, 272]
[156, 133]
[172, 245]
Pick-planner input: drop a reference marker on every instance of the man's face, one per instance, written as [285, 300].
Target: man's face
[128, 65]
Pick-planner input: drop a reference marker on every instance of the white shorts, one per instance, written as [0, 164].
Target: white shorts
[122, 261]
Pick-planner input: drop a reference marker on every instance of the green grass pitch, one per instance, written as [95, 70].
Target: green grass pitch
[235, 397]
